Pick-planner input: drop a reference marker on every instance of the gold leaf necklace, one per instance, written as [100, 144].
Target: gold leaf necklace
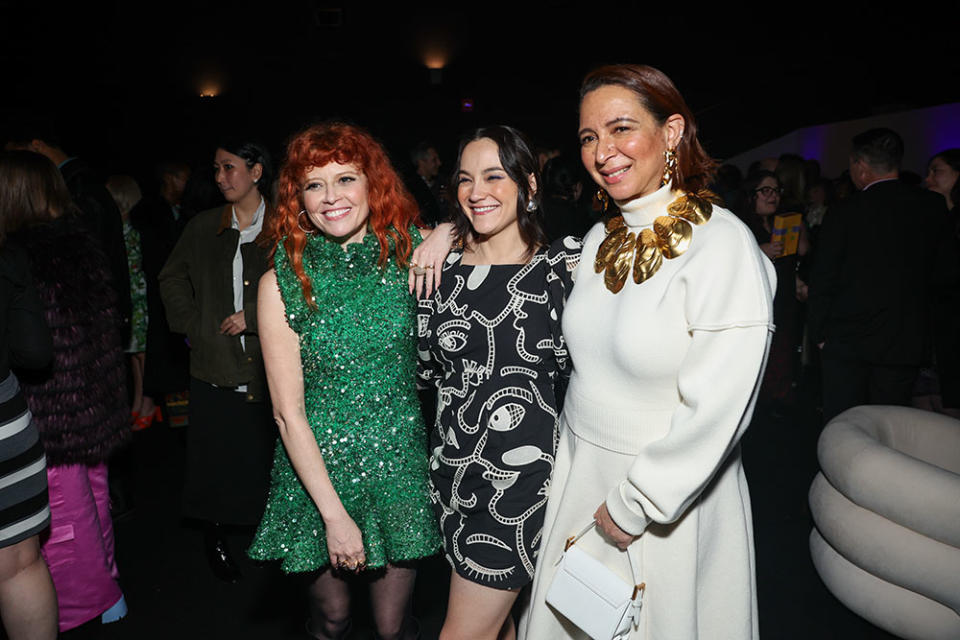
[670, 237]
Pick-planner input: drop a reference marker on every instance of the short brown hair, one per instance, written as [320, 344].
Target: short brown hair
[32, 190]
[659, 96]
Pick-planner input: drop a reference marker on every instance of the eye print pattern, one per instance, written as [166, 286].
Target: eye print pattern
[490, 342]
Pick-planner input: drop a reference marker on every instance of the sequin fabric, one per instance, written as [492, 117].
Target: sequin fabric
[358, 352]
[138, 290]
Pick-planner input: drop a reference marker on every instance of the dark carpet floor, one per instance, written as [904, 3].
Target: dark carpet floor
[172, 594]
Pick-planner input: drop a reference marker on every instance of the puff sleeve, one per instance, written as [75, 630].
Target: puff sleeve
[727, 288]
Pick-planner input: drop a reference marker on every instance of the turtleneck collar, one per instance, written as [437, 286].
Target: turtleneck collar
[641, 212]
[360, 252]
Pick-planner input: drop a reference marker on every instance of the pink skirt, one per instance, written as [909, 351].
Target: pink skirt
[80, 550]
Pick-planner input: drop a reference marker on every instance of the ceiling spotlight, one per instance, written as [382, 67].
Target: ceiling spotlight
[435, 59]
[209, 91]
[208, 81]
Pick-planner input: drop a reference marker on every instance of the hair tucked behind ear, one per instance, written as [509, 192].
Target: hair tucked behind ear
[253, 154]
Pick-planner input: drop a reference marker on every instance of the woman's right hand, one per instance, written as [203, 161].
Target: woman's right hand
[610, 529]
[345, 542]
[430, 256]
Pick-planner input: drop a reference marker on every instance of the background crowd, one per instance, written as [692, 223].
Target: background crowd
[104, 261]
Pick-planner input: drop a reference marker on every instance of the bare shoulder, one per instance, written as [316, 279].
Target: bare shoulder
[268, 282]
[268, 293]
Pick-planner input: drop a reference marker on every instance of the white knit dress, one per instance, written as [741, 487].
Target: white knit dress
[665, 377]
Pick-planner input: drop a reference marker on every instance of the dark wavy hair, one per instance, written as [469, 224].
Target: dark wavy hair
[519, 162]
[253, 154]
[952, 158]
[749, 189]
[561, 175]
[661, 99]
[392, 208]
[32, 191]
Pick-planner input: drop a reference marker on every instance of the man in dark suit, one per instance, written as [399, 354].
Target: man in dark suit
[884, 258]
[425, 185]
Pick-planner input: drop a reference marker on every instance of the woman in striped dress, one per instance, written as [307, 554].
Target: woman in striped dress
[28, 603]
[79, 403]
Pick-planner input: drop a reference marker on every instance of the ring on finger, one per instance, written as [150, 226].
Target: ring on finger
[428, 266]
[418, 270]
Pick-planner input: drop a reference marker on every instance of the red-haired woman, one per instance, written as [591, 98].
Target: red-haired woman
[668, 326]
[349, 484]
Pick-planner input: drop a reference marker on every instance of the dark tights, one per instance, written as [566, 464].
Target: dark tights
[389, 597]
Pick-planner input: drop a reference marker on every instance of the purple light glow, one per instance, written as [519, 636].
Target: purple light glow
[925, 132]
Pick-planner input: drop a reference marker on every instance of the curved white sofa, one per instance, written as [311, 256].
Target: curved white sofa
[886, 506]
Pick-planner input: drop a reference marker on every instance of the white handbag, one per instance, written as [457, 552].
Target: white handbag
[593, 597]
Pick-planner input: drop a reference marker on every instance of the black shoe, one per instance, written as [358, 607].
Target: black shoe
[218, 555]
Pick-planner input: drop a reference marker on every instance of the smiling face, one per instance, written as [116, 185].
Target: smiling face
[486, 193]
[335, 197]
[767, 196]
[234, 179]
[622, 146]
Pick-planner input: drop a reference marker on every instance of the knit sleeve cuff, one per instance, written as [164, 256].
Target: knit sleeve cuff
[627, 513]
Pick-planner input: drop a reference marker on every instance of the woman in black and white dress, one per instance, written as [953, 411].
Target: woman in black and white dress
[490, 341]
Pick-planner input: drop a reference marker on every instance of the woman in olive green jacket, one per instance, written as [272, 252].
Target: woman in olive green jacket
[209, 289]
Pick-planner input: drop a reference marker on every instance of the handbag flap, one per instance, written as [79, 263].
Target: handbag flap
[595, 576]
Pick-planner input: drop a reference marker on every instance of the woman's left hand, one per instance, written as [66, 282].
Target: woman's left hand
[428, 259]
[233, 325]
[772, 249]
[610, 529]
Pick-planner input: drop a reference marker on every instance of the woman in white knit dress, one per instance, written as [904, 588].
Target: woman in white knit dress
[668, 327]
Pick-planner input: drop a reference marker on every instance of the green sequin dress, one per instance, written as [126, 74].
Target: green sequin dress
[358, 352]
[138, 290]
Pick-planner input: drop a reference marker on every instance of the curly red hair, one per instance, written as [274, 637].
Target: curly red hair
[392, 208]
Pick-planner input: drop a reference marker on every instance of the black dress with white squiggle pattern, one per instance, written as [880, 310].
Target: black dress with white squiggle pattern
[490, 341]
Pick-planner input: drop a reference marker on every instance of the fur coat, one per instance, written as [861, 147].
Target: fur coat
[79, 403]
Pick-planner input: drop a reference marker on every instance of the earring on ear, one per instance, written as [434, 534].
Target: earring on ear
[306, 231]
[531, 205]
[669, 165]
[603, 200]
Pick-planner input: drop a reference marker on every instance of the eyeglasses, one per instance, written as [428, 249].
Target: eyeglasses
[769, 191]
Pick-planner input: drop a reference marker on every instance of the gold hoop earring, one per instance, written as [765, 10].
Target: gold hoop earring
[306, 231]
[603, 199]
[669, 166]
